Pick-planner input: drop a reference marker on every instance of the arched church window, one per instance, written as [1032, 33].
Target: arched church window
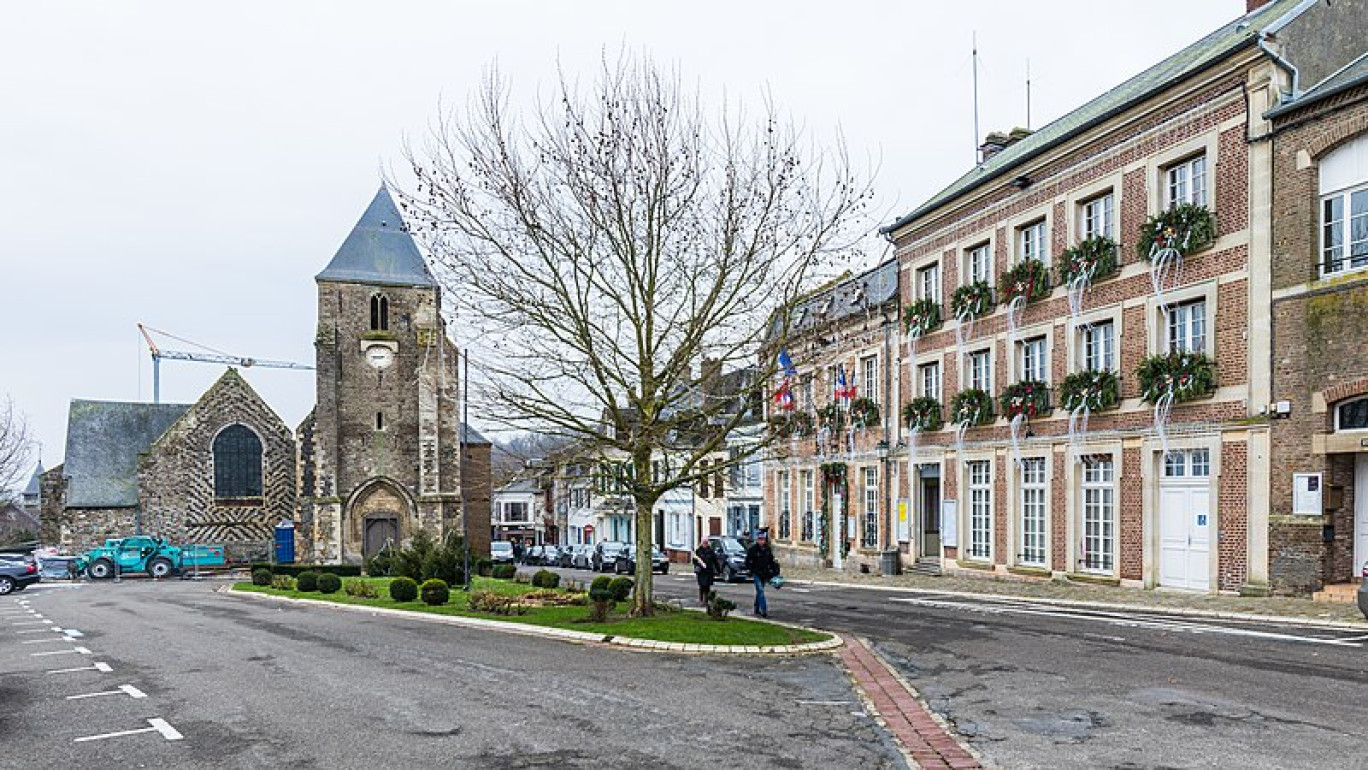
[237, 463]
[379, 308]
[1352, 415]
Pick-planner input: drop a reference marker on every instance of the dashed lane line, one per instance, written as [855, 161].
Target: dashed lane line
[75, 650]
[48, 640]
[157, 725]
[101, 666]
[1119, 619]
[31, 623]
[39, 630]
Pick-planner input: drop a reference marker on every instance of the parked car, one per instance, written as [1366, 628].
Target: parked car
[532, 556]
[732, 555]
[550, 556]
[1363, 593]
[567, 555]
[583, 557]
[17, 572]
[501, 552]
[605, 555]
[626, 561]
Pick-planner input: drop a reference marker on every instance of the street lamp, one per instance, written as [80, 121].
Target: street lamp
[890, 554]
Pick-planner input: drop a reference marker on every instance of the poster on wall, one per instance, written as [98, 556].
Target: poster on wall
[949, 529]
[904, 527]
[1306, 494]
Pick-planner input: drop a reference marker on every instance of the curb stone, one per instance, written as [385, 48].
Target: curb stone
[1291, 620]
[564, 634]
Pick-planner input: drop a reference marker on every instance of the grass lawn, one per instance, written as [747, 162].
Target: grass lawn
[687, 627]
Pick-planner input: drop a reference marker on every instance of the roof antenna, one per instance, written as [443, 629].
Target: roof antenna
[977, 153]
[1028, 94]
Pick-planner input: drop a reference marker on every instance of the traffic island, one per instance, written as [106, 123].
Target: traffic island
[671, 629]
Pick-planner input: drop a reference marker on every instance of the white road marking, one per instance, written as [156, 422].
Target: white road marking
[1120, 619]
[100, 666]
[123, 689]
[157, 725]
[30, 622]
[49, 639]
[801, 590]
[78, 650]
[38, 630]
[73, 633]
[1355, 638]
[823, 703]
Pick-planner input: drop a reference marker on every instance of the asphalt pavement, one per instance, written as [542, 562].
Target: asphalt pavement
[1032, 684]
[172, 674]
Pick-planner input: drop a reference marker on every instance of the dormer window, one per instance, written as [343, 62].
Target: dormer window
[379, 313]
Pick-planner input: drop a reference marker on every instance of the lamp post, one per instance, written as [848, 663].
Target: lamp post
[890, 554]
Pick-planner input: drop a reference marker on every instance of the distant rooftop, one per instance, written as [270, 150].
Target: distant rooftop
[104, 439]
[379, 250]
[1352, 75]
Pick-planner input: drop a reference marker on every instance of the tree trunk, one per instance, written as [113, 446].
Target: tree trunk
[643, 601]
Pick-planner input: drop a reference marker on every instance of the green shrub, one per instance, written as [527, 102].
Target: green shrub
[504, 571]
[483, 567]
[601, 581]
[328, 583]
[362, 589]
[435, 592]
[496, 603]
[545, 578]
[283, 582]
[621, 588]
[306, 581]
[403, 589]
[718, 607]
[261, 576]
[600, 601]
[341, 570]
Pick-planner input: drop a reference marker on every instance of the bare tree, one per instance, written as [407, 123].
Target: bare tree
[608, 242]
[15, 449]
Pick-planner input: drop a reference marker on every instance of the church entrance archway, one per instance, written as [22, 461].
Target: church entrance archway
[380, 530]
[379, 512]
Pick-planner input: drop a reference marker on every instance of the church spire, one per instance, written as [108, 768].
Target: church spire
[379, 250]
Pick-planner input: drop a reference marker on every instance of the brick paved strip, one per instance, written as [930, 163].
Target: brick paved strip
[923, 740]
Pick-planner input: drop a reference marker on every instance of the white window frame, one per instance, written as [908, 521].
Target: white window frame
[929, 379]
[1157, 341]
[1097, 346]
[1033, 241]
[1098, 514]
[808, 527]
[871, 508]
[979, 543]
[1033, 358]
[1097, 216]
[1184, 327]
[869, 378]
[974, 256]
[972, 366]
[1034, 496]
[1347, 261]
[1187, 181]
[928, 282]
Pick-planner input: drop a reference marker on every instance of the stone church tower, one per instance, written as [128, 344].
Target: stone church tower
[380, 452]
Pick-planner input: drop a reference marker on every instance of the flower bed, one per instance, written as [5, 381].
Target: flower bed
[1185, 228]
[973, 406]
[1186, 375]
[923, 414]
[1097, 390]
[1094, 257]
[974, 300]
[922, 317]
[1028, 278]
[1028, 397]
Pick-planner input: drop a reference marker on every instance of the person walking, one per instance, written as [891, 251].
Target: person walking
[705, 569]
[763, 567]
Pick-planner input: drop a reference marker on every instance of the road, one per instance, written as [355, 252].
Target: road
[249, 683]
[1039, 685]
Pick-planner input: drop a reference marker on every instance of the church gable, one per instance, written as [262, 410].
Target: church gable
[223, 473]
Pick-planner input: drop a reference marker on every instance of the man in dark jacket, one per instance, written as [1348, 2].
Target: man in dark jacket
[762, 565]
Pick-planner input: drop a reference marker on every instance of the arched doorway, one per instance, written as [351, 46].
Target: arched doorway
[378, 530]
[379, 513]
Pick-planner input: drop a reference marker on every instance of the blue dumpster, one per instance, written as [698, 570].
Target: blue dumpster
[284, 542]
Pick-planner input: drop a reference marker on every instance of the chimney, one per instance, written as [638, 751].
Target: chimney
[1254, 5]
[998, 141]
[710, 371]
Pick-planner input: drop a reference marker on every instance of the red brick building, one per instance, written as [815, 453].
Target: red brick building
[1319, 522]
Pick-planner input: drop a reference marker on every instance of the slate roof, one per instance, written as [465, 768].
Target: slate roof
[104, 439]
[472, 436]
[34, 489]
[849, 297]
[520, 486]
[1210, 50]
[379, 250]
[1354, 74]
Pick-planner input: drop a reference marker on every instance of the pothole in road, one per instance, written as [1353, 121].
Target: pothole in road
[1070, 726]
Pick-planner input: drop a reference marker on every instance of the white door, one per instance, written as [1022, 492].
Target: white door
[1360, 514]
[1185, 520]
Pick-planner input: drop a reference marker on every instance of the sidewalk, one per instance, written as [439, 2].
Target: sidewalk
[1061, 591]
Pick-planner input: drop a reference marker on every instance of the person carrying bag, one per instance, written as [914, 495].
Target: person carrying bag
[705, 569]
[763, 568]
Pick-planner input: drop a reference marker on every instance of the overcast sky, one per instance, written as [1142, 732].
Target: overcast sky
[193, 165]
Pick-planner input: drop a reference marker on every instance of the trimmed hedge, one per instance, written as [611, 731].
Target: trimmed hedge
[328, 583]
[600, 583]
[504, 571]
[621, 588]
[306, 581]
[261, 576]
[545, 578]
[435, 592]
[341, 570]
[402, 589]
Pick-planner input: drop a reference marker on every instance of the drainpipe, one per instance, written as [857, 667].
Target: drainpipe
[1287, 66]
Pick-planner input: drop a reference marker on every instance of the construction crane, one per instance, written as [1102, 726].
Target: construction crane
[210, 357]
